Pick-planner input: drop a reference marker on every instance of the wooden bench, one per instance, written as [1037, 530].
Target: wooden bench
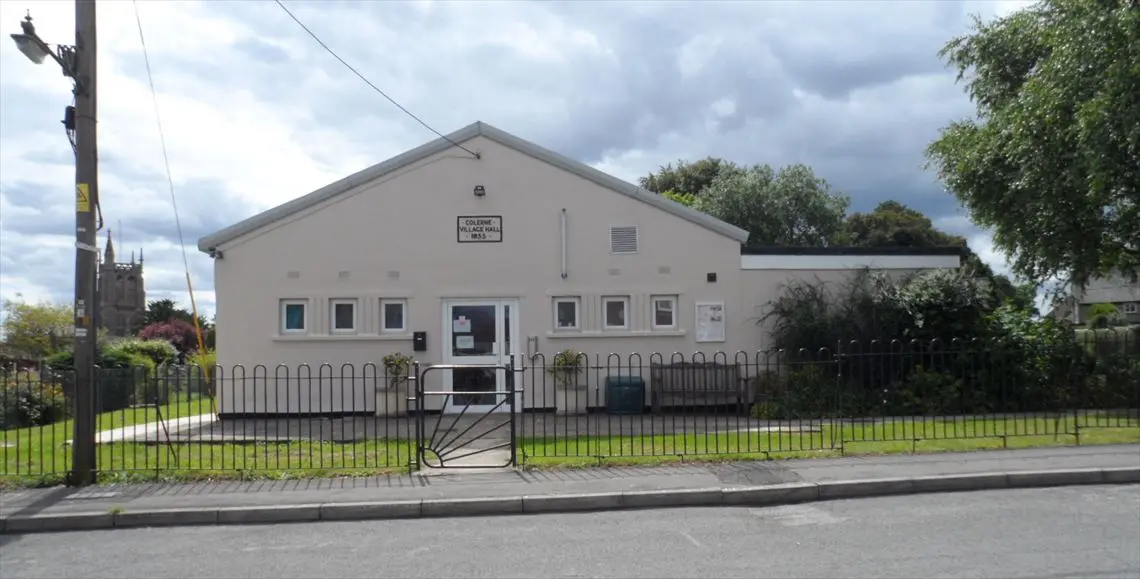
[690, 385]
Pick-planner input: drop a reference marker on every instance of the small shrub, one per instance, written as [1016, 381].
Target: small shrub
[120, 378]
[809, 391]
[565, 366]
[1103, 316]
[397, 366]
[157, 351]
[178, 332]
[26, 401]
[927, 393]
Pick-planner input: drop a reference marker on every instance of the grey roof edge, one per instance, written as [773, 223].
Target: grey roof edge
[478, 128]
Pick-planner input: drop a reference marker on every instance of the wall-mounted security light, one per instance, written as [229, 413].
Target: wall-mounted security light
[480, 191]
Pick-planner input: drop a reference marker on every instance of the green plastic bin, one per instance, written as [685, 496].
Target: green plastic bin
[625, 394]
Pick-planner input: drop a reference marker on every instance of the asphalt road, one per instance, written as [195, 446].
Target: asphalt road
[1091, 532]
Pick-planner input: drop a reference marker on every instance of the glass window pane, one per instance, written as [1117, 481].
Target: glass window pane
[294, 317]
[567, 314]
[343, 316]
[663, 313]
[615, 313]
[394, 316]
[474, 330]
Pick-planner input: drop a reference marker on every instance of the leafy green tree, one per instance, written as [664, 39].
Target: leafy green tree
[37, 330]
[686, 199]
[791, 206]
[1051, 162]
[688, 178]
[892, 224]
[164, 310]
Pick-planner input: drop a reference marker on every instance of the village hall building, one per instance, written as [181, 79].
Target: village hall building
[454, 258]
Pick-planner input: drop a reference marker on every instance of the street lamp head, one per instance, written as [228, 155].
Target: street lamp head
[31, 49]
[29, 43]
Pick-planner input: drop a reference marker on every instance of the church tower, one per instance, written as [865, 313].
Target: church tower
[122, 294]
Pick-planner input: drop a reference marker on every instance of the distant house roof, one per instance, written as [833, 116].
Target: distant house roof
[442, 144]
[1110, 289]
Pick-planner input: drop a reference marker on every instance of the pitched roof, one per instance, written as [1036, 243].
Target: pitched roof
[469, 132]
[1110, 289]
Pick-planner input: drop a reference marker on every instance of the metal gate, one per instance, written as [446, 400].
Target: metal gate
[454, 431]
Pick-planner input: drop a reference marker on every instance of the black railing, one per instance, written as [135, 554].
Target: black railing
[878, 396]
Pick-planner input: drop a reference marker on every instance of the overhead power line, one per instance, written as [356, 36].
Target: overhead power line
[368, 82]
[169, 180]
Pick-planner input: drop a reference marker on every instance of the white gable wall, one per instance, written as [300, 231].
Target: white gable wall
[349, 246]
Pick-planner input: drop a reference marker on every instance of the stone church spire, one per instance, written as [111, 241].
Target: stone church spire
[109, 253]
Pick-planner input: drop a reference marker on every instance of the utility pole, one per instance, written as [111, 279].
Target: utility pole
[79, 63]
[86, 249]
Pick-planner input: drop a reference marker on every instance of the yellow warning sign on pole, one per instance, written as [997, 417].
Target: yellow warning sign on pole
[82, 198]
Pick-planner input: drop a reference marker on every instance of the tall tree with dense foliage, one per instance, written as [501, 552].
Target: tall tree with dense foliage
[791, 206]
[688, 178]
[37, 330]
[892, 224]
[1051, 163]
[164, 310]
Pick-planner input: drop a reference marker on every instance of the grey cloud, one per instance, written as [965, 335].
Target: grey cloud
[597, 104]
[591, 104]
[205, 206]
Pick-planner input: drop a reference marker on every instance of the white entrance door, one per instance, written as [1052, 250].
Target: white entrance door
[479, 332]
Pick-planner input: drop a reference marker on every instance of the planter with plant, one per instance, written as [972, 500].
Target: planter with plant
[565, 368]
[397, 366]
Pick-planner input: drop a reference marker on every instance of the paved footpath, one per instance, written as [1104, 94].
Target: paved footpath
[585, 489]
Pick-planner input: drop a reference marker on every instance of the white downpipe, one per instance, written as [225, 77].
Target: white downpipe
[562, 230]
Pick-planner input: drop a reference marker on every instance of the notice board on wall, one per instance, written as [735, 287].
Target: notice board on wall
[710, 322]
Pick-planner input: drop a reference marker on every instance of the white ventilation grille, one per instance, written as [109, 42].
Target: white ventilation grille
[623, 239]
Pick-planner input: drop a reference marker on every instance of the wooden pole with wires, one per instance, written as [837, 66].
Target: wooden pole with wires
[83, 467]
[79, 64]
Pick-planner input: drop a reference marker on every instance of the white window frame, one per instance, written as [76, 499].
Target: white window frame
[1129, 308]
[577, 302]
[332, 315]
[653, 312]
[281, 308]
[384, 303]
[624, 301]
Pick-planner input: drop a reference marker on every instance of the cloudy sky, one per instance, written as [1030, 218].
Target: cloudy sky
[256, 113]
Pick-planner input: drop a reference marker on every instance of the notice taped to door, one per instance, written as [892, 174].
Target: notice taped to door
[479, 228]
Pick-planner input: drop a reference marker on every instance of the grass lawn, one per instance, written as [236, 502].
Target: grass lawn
[43, 449]
[884, 437]
[42, 458]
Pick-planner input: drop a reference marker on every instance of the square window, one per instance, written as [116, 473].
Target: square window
[392, 315]
[664, 312]
[1130, 308]
[615, 312]
[565, 313]
[343, 316]
[293, 316]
